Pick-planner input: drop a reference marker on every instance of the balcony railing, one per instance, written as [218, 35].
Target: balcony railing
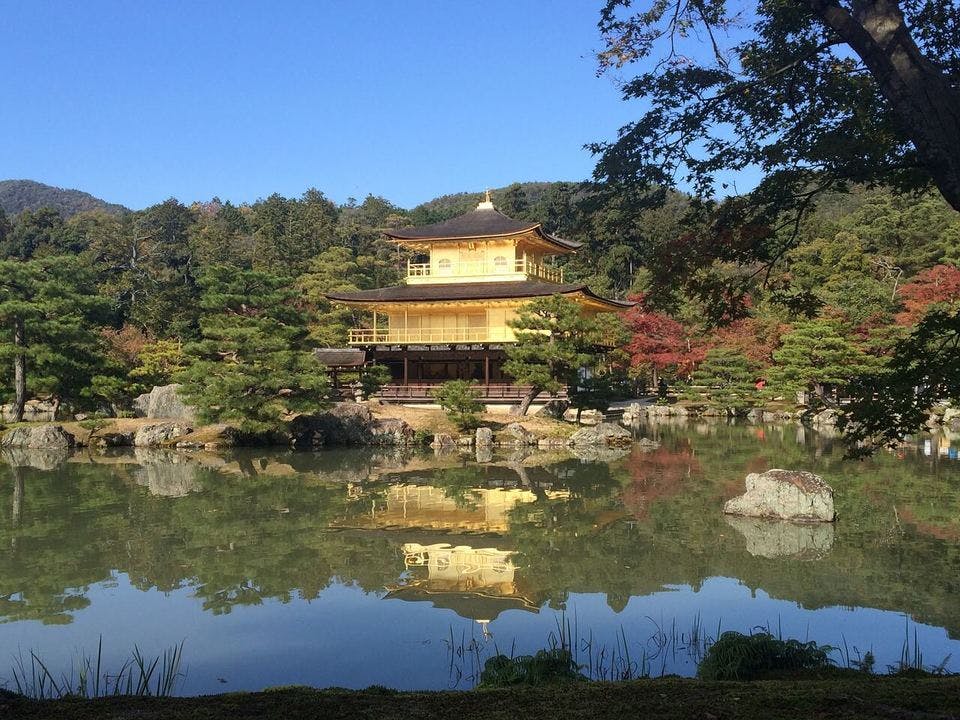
[428, 336]
[479, 268]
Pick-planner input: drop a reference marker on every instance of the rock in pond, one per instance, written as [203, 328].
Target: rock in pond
[784, 495]
[390, 431]
[442, 441]
[348, 423]
[602, 434]
[520, 435]
[484, 437]
[38, 436]
[112, 439]
[164, 402]
[159, 434]
[825, 418]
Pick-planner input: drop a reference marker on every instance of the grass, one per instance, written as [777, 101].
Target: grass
[537, 686]
[723, 656]
[866, 697]
[735, 656]
[138, 676]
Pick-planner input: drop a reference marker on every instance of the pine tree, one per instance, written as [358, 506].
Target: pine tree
[334, 270]
[251, 367]
[554, 340]
[816, 355]
[48, 328]
[727, 378]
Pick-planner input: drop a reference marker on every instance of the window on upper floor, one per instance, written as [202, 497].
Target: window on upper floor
[444, 266]
[500, 263]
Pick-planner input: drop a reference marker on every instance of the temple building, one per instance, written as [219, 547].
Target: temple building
[466, 279]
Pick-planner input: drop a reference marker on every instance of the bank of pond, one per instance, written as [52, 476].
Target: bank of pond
[410, 570]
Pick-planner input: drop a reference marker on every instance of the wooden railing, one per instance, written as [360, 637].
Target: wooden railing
[491, 392]
[428, 336]
[480, 268]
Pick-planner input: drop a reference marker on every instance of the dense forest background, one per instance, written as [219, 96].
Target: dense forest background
[868, 265]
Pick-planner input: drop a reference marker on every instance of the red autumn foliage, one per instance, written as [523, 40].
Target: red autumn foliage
[124, 345]
[658, 474]
[659, 342]
[938, 284]
[754, 338]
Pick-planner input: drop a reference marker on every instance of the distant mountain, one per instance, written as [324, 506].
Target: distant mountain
[19, 195]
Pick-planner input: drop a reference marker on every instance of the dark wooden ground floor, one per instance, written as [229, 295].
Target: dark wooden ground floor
[416, 371]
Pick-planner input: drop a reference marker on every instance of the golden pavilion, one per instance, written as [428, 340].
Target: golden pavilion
[466, 279]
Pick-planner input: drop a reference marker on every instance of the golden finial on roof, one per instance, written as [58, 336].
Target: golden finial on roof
[487, 203]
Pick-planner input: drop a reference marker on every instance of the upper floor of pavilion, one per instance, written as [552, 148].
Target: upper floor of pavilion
[483, 245]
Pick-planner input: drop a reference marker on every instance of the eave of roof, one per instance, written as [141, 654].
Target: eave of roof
[472, 291]
[477, 224]
[340, 357]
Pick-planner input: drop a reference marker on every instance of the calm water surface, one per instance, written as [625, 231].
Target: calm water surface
[345, 568]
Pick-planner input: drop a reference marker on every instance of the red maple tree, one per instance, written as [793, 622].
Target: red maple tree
[938, 284]
[658, 342]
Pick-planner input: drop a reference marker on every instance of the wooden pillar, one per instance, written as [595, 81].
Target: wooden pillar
[406, 368]
[486, 368]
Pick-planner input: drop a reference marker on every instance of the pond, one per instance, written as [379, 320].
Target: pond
[349, 568]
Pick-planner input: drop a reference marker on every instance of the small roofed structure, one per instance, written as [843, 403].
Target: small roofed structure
[338, 360]
[341, 358]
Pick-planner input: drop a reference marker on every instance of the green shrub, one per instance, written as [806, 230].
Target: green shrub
[460, 400]
[735, 656]
[547, 666]
[422, 437]
[373, 378]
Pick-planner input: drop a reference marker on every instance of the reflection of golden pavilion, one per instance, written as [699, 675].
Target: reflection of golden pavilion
[462, 567]
[428, 507]
[478, 583]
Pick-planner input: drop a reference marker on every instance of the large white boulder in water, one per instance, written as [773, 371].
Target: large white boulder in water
[159, 434]
[785, 495]
[602, 434]
[38, 436]
[164, 402]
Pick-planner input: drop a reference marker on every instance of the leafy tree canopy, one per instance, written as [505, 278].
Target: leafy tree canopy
[814, 355]
[816, 94]
[554, 341]
[727, 378]
[251, 366]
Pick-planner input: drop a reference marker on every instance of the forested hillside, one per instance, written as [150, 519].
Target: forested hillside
[150, 292]
[19, 195]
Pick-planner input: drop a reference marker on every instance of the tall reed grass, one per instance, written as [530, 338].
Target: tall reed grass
[570, 650]
[138, 675]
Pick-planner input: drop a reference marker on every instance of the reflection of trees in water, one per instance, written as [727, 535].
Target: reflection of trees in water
[244, 534]
[659, 473]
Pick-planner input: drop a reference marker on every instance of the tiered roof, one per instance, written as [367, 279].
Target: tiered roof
[473, 291]
[484, 222]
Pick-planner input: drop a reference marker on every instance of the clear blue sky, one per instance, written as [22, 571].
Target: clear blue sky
[136, 102]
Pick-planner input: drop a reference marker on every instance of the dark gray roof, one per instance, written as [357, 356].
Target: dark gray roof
[477, 224]
[470, 291]
[340, 357]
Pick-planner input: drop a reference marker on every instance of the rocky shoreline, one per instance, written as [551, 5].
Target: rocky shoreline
[162, 420]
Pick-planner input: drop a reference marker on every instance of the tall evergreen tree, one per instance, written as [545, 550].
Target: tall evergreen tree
[251, 366]
[727, 378]
[816, 355]
[334, 270]
[48, 321]
[554, 341]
